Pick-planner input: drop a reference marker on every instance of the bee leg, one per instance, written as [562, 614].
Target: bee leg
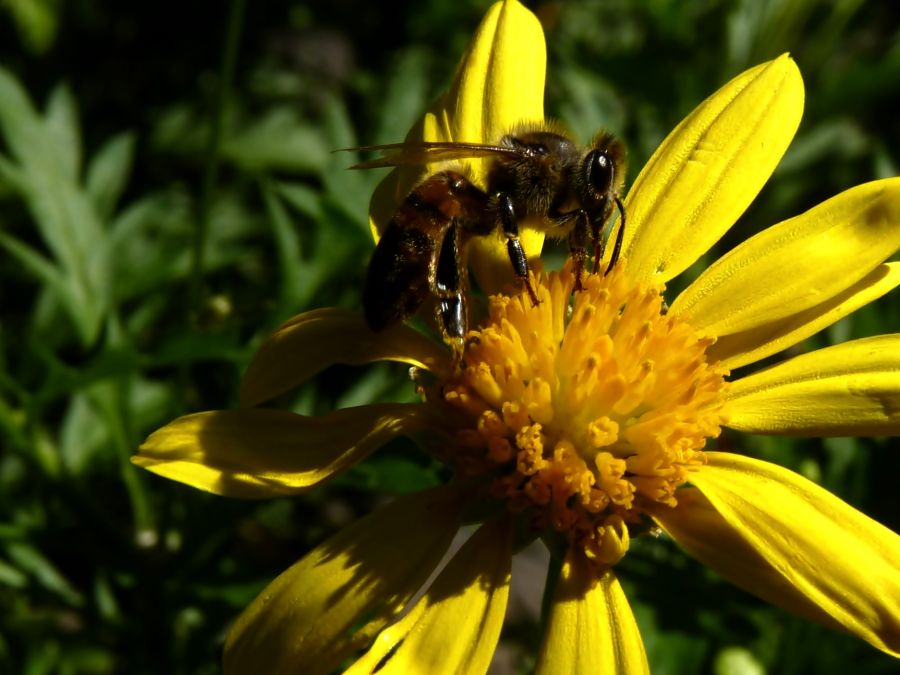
[452, 316]
[599, 245]
[514, 248]
[449, 286]
[577, 245]
[620, 235]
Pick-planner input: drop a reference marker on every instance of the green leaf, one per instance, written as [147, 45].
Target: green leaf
[48, 151]
[280, 140]
[385, 474]
[587, 98]
[69, 290]
[83, 435]
[19, 122]
[404, 98]
[149, 244]
[303, 198]
[61, 123]
[294, 284]
[349, 189]
[12, 174]
[37, 22]
[105, 599]
[12, 577]
[33, 563]
[108, 171]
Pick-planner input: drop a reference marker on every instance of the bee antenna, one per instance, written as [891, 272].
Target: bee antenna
[620, 235]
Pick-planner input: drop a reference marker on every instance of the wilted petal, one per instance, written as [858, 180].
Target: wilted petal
[709, 169]
[499, 84]
[303, 622]
[793, 544]
[313, 341]
[850, 389]
[263, 453]
[797, 264]
[754, 344]
[454, 628]
[591, 628]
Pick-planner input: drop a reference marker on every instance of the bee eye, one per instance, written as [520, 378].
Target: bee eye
[601, 170]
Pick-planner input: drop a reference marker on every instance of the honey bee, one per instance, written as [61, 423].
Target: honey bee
[534, 172]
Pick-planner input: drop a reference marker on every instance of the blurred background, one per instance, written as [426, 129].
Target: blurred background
[168, 197]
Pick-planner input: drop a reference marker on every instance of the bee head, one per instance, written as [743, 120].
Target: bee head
[603, 167]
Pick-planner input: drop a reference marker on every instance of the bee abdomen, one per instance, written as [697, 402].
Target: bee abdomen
[397, 279]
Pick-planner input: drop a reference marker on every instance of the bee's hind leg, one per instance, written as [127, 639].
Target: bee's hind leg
[449, 288]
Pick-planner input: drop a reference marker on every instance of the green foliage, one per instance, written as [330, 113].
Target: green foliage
[114, 321]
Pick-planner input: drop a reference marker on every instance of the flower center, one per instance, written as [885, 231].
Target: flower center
[585, 408]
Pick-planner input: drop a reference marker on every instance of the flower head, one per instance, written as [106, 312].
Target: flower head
[582, 412]
[585, 419]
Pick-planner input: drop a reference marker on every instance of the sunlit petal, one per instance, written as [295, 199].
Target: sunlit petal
[793, 544]
[263, 453]
[851, 389]
[591, 628]
[454, 628]
[303, 621]
[754, 344]
[798, 264]
[310, 342]
[709, 169]
[499, 83]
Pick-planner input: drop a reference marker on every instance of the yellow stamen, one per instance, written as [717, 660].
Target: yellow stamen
[585, 408]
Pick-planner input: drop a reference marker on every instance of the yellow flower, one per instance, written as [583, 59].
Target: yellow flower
[583, 419]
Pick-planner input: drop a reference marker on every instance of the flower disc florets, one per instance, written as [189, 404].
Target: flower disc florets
[586, 407]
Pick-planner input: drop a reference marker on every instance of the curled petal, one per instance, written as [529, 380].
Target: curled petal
[304, 621]
[454, 628]
[792, 543]
[850, 389]
[708, 170]
[798, 264]
[313, 341]
[499, 84]
[751, 345]
[591, 628]
[260, 453]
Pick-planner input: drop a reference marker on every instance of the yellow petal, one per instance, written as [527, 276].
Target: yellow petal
[499, 83]
[310, 342]
[851, 389]
[797, 264]
[262, 453]
[708, 170]
[793, 544]
[303, 621]
[591, 628]
[454, 628]
[754, 344]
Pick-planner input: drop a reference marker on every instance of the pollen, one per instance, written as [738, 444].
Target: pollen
[586, 408]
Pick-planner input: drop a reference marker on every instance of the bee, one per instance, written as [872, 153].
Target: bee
[534, 172]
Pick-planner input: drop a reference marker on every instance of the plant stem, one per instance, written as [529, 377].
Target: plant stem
[214, 149]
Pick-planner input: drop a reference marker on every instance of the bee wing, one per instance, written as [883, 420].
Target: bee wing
[400, 154]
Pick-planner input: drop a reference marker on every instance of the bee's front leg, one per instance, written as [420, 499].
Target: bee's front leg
[620, 235]
[578, 236]
[599, 242]
[579, 230]
[601, 221]
[507, 215]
